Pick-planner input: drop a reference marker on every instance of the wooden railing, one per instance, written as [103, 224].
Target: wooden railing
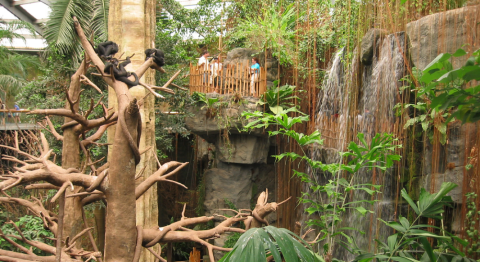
[231, 79]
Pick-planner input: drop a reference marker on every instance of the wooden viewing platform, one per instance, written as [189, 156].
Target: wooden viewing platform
[19, 126]
[232, 79]
[11, 125]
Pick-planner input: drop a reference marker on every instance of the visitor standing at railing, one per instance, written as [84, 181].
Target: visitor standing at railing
[204, 61]
[2, 114]
[216, 67]
[16, 115]
[255, 72]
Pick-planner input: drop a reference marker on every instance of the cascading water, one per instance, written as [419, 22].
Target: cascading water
[375, 97]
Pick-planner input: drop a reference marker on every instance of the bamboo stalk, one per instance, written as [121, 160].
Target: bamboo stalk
[236, 78]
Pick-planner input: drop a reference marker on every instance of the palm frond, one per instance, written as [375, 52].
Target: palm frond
[59, 30]
[18, 65]
[100, 19]
[9, 29]
[10, 85]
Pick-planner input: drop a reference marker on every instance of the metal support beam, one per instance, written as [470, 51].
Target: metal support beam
[23, 2]
[19, 12]
[47, 2]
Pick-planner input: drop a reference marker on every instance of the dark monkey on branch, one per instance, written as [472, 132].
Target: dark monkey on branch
[119, 71]
[106, 50]
[157, 55]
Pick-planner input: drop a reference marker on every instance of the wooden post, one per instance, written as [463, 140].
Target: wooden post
[170, 252]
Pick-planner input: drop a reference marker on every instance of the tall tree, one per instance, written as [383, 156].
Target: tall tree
[132, 26]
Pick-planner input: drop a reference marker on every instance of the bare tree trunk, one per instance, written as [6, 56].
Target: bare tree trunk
[71, 159]
[132, 27]
[120, 236]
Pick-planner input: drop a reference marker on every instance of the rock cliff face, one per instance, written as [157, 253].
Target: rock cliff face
[430, 36]
[241, 170]
[375, 80]
[444, 32]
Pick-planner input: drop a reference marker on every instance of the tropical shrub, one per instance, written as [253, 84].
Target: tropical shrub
[279, 98]
[32, 229]
[446, 89]
[333, 205]
[413, 242]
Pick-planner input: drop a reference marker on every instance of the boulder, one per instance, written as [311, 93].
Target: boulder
[244, 57]
[227, 118]
[454, 175]
[232, 182]
[370, 43]
[444, 32]
[243, 149]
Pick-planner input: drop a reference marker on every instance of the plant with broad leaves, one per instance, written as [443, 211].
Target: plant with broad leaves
[210, 103]
[257, 244]
[329, 200]
[411, 242]
[427, 117]
[447, 89]
[279, 98]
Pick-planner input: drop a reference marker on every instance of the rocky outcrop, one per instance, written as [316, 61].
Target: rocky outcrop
[243, 149]
[444, 32]
[370, 42]
[227, 117]
[241, 170]
[244, 56]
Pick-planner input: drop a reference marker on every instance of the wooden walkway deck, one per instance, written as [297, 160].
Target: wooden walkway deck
[19, 126]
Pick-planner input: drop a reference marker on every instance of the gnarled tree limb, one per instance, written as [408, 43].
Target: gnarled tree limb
[159, 176]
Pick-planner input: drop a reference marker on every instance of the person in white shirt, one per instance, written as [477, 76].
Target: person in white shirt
[216, 68]
[204, 61]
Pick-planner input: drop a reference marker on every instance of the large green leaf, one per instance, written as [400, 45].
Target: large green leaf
[253, 244]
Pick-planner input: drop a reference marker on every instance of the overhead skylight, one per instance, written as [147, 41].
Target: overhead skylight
[38, 10]
[5, 14]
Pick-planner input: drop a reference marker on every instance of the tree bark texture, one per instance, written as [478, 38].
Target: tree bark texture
[132, 27]
[120, 220]
[73, 223]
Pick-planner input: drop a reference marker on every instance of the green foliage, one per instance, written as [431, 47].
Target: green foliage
[200, 208]
[424, 115]
[92, 16]
[442, 93]
[32, 229]
[254, 244]
[446, 88]
[15, 69]
[181, 32]
[208, 101]
[274, 29]
[203, 20]
[279, 98]
[472, 218]
[168, 125]
[410, 243]
[8, 30]
[230, 204]
[232, 239]
[329, 200]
